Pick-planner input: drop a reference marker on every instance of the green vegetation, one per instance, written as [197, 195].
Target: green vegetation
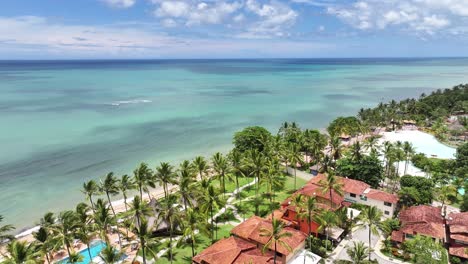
[186, 216]
[423, 249]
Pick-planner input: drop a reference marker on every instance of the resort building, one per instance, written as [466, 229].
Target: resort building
[354, 191]
[457, 230]
[420, 220]
[246, 245]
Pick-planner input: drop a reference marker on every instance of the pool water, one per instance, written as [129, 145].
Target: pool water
[96, 248]
[461, 191]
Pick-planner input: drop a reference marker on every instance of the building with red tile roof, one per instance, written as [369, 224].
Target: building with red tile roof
[251, 230]
[423, 220]
[457, 227]
[233, 250]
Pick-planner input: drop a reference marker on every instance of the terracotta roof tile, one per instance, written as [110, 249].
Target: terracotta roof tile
[382, 196]
[458, 219]
[398, 236]
[459, 252]
[224, 251]
[463, 238]
[254, 256]
[423, 219]
[252, 228]
[349, 185]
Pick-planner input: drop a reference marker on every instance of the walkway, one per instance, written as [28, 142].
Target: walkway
[362, 234]
[232, 197]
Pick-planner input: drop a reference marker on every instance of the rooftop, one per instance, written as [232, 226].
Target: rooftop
[424, 220]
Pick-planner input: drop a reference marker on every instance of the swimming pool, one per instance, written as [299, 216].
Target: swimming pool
[96, 248]
[422, 142]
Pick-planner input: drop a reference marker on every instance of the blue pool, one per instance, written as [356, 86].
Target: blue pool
[96, 248]
[461, 191]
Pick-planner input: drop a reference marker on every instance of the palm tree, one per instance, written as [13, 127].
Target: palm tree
[211, 202]
[188, 191]
[110, 186]
[237, 167]
[145, 236]
[142, 176]
[90, 189]
[356, 150]
[370, 218]
[126, 183]
[331, 184]
[45, 242]
[294, 157]
[358, 252]
[201, 166]
[276, 235]
[192, 223]
[140, 209]
[372, 143]
[111, 255]
[221, 166]
[308, 207]
[272, 179]
[103, 219]
[445, 192]
[409, 150]
[170, 213]
[21, 252]
[4, 230]
[85, 230]
[65, 229]
[326, 220]
[336, 147]
[388, 153]
[256, 165]
[164, 176]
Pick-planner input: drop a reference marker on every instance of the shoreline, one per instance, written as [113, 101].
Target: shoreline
[119, 205]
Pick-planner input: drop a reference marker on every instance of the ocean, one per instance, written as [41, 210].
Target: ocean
[66, 122]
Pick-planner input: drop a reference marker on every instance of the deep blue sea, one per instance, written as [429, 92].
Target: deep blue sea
[65, 122]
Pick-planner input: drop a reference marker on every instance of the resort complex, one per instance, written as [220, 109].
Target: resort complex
[351, 195]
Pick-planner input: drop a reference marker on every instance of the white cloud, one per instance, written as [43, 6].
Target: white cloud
[196, 12]
[120, 3]
[418, 16]
[275, 19]
[37, 37]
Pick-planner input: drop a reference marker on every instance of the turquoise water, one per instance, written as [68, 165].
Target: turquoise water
[69, 121]
[96, 249]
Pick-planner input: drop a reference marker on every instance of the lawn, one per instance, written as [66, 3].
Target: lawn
[183, 253]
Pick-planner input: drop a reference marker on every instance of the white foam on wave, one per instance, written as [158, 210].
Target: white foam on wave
[134, 101]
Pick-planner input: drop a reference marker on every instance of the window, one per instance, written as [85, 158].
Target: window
[352, 195]
[363, 197]
[387, 213]
[387, 204]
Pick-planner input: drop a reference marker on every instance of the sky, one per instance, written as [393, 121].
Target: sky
[152, 29]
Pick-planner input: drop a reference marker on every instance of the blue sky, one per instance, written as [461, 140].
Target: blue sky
[75, 29]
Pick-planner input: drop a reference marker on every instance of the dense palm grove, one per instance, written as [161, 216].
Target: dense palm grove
[194, 191]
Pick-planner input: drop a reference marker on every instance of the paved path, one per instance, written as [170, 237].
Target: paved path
[232, 197]
[362, 234]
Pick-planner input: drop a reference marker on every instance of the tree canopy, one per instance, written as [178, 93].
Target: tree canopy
[367, 169]
[251, 138]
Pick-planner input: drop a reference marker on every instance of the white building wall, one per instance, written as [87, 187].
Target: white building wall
[371, 202]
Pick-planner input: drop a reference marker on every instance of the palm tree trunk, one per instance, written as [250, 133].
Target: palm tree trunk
[113, 211]
[212, 235]
[68, 250]
[295, 178]
[331, 199]
[92, 203]
[170, 240]
[141, 191]
[47, 258]
[237, 186]
[143, 250]
[89, 252]
[274, 259]
[193, 244]
[110, 203]
[125, 201]
[370, 246]
[224, 185]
